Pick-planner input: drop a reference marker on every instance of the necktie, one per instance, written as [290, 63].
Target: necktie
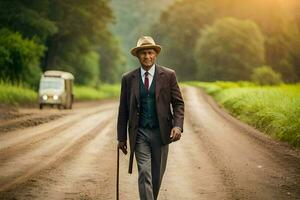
[146, 82]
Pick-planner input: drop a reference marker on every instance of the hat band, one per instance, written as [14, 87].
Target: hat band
[147, 44]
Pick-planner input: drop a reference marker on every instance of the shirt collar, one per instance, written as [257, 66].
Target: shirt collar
[151, 71]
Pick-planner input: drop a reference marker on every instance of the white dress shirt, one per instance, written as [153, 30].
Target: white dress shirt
[151, 72]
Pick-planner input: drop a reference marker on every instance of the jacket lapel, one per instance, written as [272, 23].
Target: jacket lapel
[158, 80]
[135, 84]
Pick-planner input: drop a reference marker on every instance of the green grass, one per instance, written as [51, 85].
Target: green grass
[105, 91]
[11, 94]
[18, 95]
[274, 110]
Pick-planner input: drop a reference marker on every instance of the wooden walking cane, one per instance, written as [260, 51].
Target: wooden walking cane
[118, 163]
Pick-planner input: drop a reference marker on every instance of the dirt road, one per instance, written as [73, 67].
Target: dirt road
[72, 155]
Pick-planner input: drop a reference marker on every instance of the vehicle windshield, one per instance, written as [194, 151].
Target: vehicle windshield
[52, 83]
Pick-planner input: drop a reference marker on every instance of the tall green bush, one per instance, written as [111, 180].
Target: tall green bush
[19, 58]
[265, 75]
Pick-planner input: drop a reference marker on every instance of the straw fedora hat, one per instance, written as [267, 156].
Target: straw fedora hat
[145, 42]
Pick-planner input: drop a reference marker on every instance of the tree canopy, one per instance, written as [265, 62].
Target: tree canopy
[70, 34]
[229, 50]
[19, 58]
[79, 37]
[182, 24]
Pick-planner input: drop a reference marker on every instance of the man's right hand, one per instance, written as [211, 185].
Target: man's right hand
[123, 147]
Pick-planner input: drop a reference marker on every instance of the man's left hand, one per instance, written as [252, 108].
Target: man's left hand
[175, 134]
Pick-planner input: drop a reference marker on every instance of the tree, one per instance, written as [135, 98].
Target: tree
[112, 62]
[178, 31]
[290, 66]
[70, 30]
[278, 20]
[19, 58]
[134, 19]
[28, 17]
[229, 50]
[82, 26]
[88, 72]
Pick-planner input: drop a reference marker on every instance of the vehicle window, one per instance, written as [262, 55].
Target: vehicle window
[55, 83]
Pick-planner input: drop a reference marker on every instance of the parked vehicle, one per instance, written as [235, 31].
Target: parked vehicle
[56, 88]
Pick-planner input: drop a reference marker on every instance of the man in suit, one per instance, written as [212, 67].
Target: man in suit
[152, 110]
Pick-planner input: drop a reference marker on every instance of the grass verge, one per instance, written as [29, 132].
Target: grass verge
[105, 91]
[15, 95]
[274, 110]
[18, 95]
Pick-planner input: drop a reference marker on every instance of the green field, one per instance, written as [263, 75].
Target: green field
[105, 91]
[18, 95]
[274, 110]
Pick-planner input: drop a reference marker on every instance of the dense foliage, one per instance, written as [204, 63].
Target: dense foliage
[135, 18]
[178, 32]
[70, 33]
[182, 25]
[19, 58]
[67, 35]
[229, 50]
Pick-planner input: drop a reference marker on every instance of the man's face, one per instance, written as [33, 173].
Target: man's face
[147, 57]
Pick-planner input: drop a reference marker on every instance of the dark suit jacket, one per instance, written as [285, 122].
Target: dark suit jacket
[167, 94]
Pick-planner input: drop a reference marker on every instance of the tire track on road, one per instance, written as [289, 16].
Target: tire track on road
[189, 168]
[88, 173]
[58, 156]
[9, 149]
[85, 173]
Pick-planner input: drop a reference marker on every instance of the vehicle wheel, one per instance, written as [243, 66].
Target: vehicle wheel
[41, 106]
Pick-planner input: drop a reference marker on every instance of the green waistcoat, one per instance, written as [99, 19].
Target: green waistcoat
[148, 115]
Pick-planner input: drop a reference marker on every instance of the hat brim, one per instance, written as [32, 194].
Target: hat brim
[157, 48]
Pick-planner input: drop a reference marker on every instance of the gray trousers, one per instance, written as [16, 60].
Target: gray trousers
[151, 158]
